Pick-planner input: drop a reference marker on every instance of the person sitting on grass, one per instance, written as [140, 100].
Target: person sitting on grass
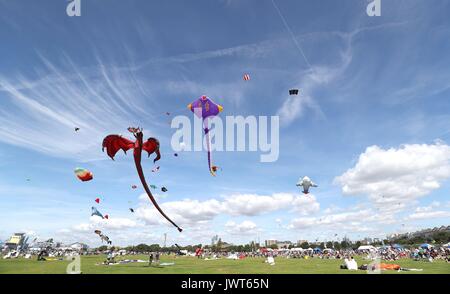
[350, 264]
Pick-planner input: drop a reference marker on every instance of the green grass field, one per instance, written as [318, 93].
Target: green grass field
[191, 265]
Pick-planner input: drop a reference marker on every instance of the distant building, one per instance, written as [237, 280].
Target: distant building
[367, 241]
[284, 244]
[300, 242]
[37, 246]
[225, 245]
[271, 243]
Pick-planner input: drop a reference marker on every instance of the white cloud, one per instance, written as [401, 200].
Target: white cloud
[97, 223]
[185, 212]
[428, 212]
[428, 208]
[397, 176]
[189, 212]
[120, 230]
[243, 228]
[293, 108]
[253, 204]
[429, 215]
[350, 221]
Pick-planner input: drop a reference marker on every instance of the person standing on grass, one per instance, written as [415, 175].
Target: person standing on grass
[157, 258]
[150, 259]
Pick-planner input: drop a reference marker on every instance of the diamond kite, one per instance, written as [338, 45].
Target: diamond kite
[205, 108]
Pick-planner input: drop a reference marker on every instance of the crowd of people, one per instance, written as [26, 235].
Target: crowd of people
[386, 253]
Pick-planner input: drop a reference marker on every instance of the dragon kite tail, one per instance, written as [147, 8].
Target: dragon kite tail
[149, 193]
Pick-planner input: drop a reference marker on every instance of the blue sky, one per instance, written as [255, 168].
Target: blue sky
[371, 125]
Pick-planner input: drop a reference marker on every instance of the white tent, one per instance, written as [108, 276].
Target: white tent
[367, 247]
[233, 256]
[297, 249]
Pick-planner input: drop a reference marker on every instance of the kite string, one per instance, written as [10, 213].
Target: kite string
[297, 44]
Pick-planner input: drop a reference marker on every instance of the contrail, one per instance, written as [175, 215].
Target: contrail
[291, 33]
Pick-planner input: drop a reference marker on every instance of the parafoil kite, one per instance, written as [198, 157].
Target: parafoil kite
[114, 143]
[83, 174]
[246, 77]
[293, 92]
[205, 108]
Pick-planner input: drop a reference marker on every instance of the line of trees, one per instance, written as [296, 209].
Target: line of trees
[433, 237]
[440, 237]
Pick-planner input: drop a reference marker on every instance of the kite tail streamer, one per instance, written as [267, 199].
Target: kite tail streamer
[137, 161]
[208, 146]
[208, 143]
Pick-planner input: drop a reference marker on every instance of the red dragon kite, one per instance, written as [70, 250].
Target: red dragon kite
[114, 143]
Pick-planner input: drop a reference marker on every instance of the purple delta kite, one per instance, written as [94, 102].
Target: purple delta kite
[205, 109]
